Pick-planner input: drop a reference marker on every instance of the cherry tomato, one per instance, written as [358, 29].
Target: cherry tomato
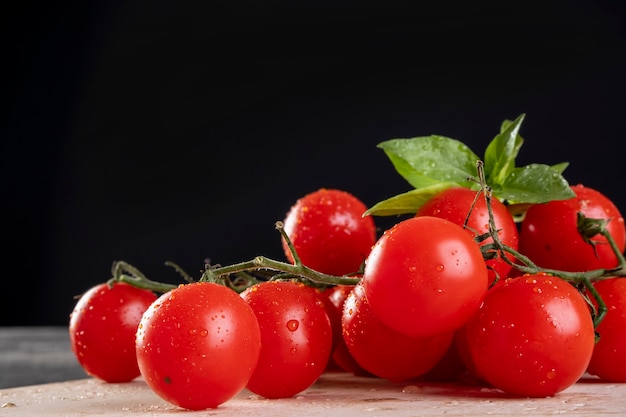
[607, 361]
[385, 352]
[455, 204]
[425, 276]
[102, 330]
[296, 337]
[533, 336]
[340, 356]
[549, 235]
[449, 368]
[197, 345]
[329, 232]
[462, 344]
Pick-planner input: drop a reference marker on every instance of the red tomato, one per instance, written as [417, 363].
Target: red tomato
[385, 352]
[329, 232]
[533, 336]
[296, 337]
[455, 204]
[425, 276]
[340, 356]
[102, 330]
[549, 235]
[608, 359]
[197, 345]
[462, 344]
[448, 368]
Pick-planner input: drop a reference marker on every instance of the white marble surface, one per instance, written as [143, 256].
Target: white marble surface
[333, 395]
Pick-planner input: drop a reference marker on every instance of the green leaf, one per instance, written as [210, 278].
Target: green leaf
[429, 160]
[501, 152]
[433, 163]
[534, 183]
[409, 202]
[560, 167]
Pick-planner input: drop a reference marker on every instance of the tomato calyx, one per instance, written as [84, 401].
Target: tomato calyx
[589, 228]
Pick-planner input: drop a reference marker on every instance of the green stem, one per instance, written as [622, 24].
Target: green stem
[291, 270]
[601, 310]
[286, 270]
[145, 284]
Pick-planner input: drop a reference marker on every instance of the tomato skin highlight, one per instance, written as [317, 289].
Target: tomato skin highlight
[549, 235]
[102, 330]
[455, 203]
[385, 352]
[296, 337]
[533, 336]
[608, 359]
[425, 276]
[197, 345]
[329, 232]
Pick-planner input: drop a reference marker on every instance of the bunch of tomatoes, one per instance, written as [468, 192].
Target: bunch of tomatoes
[459, 288]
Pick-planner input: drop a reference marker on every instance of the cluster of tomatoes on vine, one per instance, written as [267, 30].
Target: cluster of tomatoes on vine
[462, 286]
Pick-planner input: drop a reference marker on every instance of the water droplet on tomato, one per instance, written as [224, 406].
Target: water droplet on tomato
[440, 267]
[551, 374]
[537, 290]
[294, 350]
[204, 332]
[292, 325]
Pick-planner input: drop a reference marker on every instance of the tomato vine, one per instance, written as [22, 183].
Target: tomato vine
[239, 276]
[432, 164]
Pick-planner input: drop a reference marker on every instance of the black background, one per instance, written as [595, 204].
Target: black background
[149, 131]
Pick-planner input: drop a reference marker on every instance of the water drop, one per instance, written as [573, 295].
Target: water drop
[439, 267]
[292, 325]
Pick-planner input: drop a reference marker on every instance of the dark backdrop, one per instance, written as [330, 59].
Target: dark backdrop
[149, 131]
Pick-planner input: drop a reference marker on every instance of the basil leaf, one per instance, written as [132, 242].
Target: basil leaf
[534, 183]
[501, 152]
[560, 167]
[409, 202]
[433, 163]
[428, 160]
